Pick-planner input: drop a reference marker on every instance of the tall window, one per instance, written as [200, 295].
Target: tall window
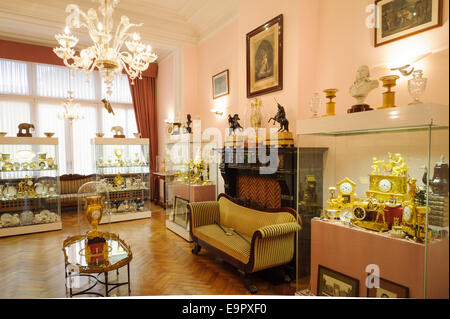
[34, 93]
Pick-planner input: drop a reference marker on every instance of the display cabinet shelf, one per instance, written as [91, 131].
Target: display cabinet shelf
[29, 198]
[132, 202]
[28, 171]
[33, 213]
[409, 117]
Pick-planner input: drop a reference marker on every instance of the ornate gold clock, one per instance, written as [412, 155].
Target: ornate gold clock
[346, 190]
[93, 210]
[413, 220]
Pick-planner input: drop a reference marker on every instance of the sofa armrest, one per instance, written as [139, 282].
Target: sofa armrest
[277, 229]
[204, 213]
[273, 245]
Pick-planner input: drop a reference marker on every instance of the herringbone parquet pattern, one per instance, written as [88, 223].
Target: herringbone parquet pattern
[32, 266]
[265, 191]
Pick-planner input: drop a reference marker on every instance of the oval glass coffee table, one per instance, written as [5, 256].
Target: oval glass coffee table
[78, 264]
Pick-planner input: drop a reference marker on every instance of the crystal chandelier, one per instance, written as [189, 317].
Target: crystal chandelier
[70, 111]
[106, 53]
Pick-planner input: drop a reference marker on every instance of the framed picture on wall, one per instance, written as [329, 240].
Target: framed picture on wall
[334, 284]
[388, 289]
[265, 58]
[220, 84]
[397, 19]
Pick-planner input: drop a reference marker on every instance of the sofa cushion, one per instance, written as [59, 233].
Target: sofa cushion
[233, 245]
[245, 220]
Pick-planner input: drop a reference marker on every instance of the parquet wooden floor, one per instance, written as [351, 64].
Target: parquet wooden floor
[32, 266]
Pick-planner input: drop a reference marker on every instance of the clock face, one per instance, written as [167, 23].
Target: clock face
[407, 213]
[384, 185]
[96, 214]
[346, 188]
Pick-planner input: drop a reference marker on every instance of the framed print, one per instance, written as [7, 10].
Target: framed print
[388, 289]
[265, 58]
[220, 84]
[397, 19]
[181, 211]
[333, 284]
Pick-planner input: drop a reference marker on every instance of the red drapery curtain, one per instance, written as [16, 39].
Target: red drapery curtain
[143, 93]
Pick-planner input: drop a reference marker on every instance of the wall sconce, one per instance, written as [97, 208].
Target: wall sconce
[217, 112]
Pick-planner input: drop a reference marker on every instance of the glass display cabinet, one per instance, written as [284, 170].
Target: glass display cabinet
[123, 165]
[29, 185]
[379, 218]
[191, 176]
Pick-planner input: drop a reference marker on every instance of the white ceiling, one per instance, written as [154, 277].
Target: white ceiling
[166, 23]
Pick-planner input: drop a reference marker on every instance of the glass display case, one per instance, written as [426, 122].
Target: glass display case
[379, 210]
[123, 165]
[191, 168]
[29, 185]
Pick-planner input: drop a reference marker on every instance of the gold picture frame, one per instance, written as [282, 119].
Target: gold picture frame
[396, 19]
[265, 58]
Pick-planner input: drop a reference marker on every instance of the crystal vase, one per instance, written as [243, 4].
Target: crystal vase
[416, 86]
[315, 104]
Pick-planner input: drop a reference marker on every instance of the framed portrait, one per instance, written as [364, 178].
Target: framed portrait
[265, 58]
[220, 84]
[388, 289]
[398, 19]
[334, 284]
[181, 211]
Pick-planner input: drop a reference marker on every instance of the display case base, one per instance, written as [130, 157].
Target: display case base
[180, 231]
[22, 230]
[121, 217]
[348, 250]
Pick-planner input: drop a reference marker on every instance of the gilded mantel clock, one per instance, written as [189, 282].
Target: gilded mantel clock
[385, 187]
[346, 190]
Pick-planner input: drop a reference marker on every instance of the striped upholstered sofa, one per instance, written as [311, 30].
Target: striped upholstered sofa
[70, 183]
[249, 239]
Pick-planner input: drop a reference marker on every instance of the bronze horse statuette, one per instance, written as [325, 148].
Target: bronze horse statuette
[280, 118]
[234, 124]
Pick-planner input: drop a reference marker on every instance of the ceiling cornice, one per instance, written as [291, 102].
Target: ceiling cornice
[185, 23]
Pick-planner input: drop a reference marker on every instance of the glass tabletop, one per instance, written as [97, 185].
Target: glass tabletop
[100, 257]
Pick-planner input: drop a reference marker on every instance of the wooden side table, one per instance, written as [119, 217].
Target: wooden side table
[158, 176]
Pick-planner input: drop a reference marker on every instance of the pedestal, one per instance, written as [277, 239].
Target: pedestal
[282, 139]
[359, 108]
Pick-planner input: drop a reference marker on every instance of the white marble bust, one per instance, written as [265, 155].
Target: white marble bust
[362, 85]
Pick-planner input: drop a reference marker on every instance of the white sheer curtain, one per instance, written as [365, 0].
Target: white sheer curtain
[33, 93]
[120, 92]
[11, 115]
[13, 77]
[83, 132]
[55, 81]
[48, 122]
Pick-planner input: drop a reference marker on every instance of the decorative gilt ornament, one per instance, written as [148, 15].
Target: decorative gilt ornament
[119, 180]
[389, 81]
[331, 106]
[93, 210]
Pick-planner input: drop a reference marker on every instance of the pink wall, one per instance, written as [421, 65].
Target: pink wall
[345, 43]
[214, 55]
[165, 98]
